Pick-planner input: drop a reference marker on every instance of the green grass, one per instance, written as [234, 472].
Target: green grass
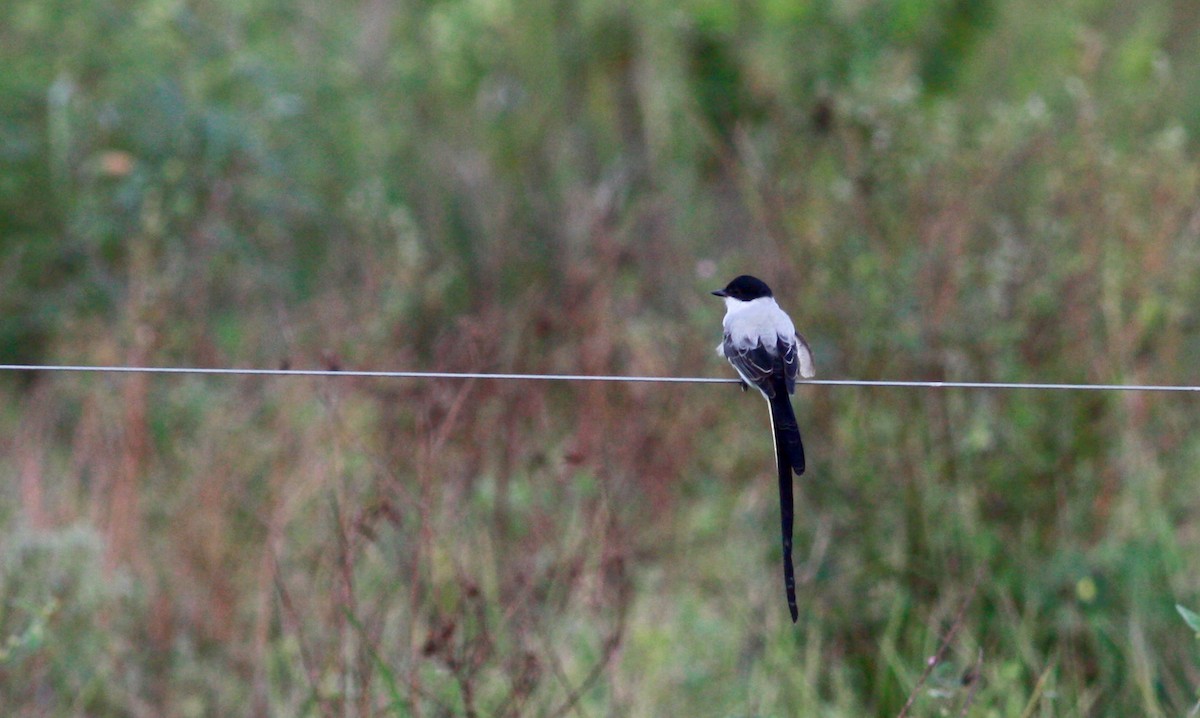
[1000, 192]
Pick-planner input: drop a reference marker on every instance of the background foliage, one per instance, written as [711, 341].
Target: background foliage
[939, 189]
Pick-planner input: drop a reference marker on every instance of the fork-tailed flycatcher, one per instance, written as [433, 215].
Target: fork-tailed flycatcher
[762, 345]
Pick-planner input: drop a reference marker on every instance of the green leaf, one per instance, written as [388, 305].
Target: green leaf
[1191, 617]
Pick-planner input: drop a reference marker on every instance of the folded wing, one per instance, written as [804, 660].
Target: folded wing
[758, 363]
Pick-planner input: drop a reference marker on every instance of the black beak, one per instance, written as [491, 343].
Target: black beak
[719, 293]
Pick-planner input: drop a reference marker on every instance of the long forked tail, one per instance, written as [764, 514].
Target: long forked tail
[789, 457]
[788, 443]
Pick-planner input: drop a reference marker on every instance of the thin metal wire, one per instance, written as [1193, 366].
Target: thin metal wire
[1005, 385]
[347, 373]
[592, 377]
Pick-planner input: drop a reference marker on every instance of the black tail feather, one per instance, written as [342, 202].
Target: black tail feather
[789, 457]
[787, 431]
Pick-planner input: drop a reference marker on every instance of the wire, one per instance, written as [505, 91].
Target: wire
[346, 373]
[591, 377]
[1004, 385]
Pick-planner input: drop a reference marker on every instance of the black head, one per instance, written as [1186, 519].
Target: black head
[745, 288]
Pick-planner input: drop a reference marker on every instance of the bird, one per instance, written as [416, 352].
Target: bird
[767, 352]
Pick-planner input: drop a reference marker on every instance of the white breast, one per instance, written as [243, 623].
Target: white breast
[759, 320]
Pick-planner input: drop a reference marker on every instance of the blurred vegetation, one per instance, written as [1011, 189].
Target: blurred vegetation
[938, 189]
